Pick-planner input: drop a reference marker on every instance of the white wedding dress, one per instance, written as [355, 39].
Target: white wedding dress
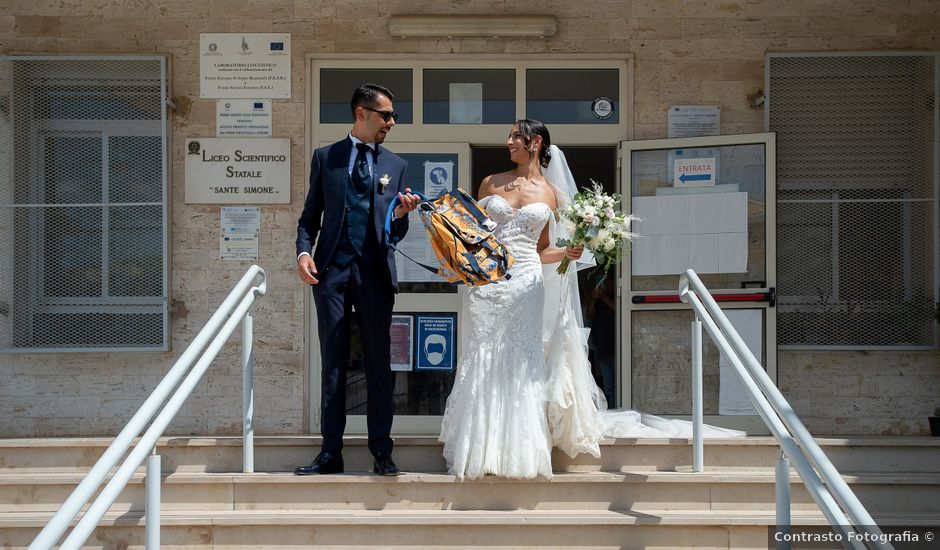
[524, 383]
[495, 419]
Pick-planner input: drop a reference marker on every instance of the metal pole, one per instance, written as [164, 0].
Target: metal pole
[248, 398]
[782, 479]
[153, 501]
[698, 446]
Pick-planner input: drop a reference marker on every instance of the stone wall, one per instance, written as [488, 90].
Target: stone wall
[686, 52]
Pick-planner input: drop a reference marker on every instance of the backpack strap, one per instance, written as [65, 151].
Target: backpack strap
[477, 270]
[433, 270]
[393, 242]
[471, 206]
[391, 214]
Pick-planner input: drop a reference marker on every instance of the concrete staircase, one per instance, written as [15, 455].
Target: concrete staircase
[640, 493]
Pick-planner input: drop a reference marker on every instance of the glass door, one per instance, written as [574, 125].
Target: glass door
[455, 115]
[705, 203]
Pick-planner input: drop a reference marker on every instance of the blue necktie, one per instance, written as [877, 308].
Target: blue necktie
[361, 177]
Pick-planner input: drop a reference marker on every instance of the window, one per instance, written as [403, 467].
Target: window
[573, 96]
[856, 195]
[83, 210]
[469, 96]
[337, 86]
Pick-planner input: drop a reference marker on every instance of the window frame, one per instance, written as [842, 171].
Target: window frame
[417, 134]
[41, 129]
[834, 200]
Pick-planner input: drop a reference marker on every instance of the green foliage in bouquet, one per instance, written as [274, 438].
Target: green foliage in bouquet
[593, 220]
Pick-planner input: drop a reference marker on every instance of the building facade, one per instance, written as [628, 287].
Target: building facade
[653, 55]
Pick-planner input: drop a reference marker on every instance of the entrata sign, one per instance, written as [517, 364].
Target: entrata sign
[694, 172]
[235, 171]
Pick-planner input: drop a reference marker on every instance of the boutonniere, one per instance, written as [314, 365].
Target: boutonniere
[383, 183]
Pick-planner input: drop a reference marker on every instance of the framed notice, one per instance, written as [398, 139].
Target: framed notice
[436, 341]
[240, 230]
[237, 170]
[402, 342]
[694, 120]
[244, 65]
[243, 118]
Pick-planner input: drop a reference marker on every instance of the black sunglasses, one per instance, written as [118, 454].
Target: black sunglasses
[384, 114]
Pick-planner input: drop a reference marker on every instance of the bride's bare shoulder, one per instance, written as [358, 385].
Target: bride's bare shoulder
[493, 182]
[546, 193]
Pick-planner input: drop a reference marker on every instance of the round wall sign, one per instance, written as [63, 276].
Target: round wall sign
[602, 107]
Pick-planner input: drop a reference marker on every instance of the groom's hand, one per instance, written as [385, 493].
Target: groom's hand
[307, 270]
[408, 202]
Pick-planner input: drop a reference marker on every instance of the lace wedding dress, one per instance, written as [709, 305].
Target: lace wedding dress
[524, 383]
[495, 420]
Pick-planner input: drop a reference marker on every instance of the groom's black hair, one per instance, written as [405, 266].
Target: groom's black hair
[367, 95]
[529, 128]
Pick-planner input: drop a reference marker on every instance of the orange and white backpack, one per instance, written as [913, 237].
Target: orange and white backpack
[461, 234]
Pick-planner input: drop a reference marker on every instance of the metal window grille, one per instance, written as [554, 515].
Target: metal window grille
[83, 204]
[856, 198]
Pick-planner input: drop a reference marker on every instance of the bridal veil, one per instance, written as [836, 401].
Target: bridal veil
[577, 410]
[574, 400]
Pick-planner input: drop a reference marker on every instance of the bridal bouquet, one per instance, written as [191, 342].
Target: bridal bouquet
[591, 221]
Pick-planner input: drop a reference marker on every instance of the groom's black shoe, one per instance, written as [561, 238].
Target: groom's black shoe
[325, 463]
[384, 466]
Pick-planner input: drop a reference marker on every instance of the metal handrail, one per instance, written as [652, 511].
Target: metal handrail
[831, 493]
[174, 392]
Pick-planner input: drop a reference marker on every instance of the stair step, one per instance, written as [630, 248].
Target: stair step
[640, 490]
[431, 517]
[283, 453]
[440, 529]
[639, 493]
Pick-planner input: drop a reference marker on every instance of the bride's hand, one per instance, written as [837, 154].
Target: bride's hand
[574, 252]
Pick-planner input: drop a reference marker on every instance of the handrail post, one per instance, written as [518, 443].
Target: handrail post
[698, 447]
[248, 396]
[59, 523]
[153, 501]
[782, 489]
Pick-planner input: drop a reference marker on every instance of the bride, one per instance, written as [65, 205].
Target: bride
[524, 383]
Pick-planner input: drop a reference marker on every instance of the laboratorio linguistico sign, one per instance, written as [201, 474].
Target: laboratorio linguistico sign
[244, 65]
[238, 170]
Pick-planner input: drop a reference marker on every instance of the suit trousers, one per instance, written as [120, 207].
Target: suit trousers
[364, 287]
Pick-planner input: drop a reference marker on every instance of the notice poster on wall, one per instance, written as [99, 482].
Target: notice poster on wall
[466, 102]
[438, 178]
[694, 120]
[732, 397]
[244, 65]
[705, 232]
[402, 342]
[436, 342]
[243, 118]
[240, 232]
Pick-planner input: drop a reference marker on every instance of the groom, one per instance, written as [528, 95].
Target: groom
[352, 184]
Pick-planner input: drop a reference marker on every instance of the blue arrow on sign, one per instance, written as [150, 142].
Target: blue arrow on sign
[696, 177]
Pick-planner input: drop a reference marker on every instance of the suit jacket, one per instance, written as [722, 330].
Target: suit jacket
[321, 221]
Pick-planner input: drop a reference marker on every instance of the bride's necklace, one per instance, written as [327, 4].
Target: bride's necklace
[519, 182]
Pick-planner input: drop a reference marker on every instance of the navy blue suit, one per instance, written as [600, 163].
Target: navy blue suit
[368, 283]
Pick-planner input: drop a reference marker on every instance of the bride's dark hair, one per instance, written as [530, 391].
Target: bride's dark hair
[529, 128]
